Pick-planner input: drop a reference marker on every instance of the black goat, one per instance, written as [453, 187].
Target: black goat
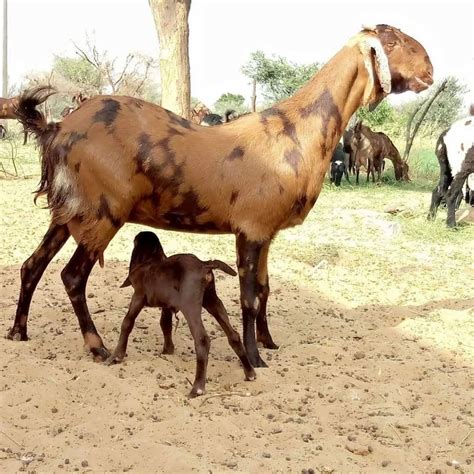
[339, 165]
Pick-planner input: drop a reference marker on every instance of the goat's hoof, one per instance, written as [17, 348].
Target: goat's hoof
[250, 375]
[114, 359]
[168, 350]
[196, 392]
[16, 334]
[257, 361]
[270, 345]
[100, 354]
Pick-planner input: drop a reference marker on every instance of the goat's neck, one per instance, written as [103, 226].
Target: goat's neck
[322, 108]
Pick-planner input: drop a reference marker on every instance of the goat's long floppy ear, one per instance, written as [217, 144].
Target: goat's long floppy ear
[368, 46]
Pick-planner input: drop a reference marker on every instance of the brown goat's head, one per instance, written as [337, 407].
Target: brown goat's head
[199, 112]
[400, 62]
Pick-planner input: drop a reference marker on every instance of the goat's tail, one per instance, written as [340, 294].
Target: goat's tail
[32, 119]
[218, 265]
[127, 282]
[34, 122]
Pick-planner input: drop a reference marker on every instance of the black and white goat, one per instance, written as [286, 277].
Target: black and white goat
[455, 152]
[211, 119]
[339, 165]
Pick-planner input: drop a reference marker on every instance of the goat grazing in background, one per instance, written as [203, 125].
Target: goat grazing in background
[178, 283]
[455, 153]
[119, 159]
[77, 100]
[349, 147]
[339, 165]
[371, 148]
[203, 116]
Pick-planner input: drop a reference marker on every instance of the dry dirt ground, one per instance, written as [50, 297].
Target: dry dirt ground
[373, 314]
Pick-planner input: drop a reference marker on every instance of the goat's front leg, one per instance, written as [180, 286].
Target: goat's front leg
[263, 333]
[136, 305]
[75, 276]
[248, 259]
[31, 272]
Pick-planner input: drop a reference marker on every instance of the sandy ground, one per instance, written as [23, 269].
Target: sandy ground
[374, 372]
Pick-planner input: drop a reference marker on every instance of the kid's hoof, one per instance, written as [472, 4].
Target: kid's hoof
[257, 361]
[100, 354]
[196, 392]
[114, 359]
[168, 350]
[251, 376]
[270, 345]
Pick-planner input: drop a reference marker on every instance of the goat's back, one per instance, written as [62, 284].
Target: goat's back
[458, 140]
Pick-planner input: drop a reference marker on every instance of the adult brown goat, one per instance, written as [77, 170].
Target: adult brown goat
[119, 159]
[370, 150]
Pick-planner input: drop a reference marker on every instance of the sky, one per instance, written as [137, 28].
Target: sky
[223, 33]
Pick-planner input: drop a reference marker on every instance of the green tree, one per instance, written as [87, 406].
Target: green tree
[378, 118]
[447, 107]
[230, 101]
[79, 73]
[279, 77]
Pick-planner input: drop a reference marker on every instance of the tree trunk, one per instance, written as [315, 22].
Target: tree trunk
[254, 95]
[411, 133]
[5, 50]
[171, 20]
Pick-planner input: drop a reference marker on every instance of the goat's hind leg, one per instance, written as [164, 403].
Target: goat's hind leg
[202, 343]
[166, 324]
[75, 275]
[215, 307]
[31, 273]
[452, 196]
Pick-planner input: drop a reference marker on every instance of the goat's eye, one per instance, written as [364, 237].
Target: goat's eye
[391, 44]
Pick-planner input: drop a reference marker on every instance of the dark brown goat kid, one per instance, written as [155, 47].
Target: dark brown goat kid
[370, 150]
[178, 283]
[118, 159]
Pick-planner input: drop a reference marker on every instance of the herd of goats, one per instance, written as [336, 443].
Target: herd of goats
[115, 159]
